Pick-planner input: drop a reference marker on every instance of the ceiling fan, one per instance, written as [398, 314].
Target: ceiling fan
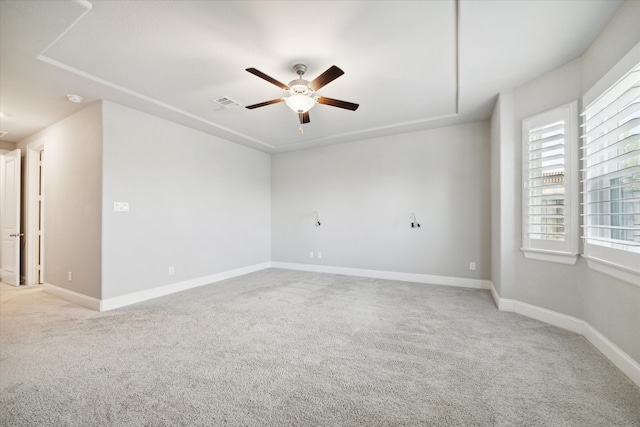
[302, 93]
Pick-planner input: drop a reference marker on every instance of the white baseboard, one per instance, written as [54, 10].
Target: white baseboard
[388, 275]
[136, 297]
[551, 317]
[496, 297]
[615, 354]
[71, 296]
[622, 360]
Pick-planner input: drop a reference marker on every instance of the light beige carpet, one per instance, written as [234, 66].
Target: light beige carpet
[280, 348]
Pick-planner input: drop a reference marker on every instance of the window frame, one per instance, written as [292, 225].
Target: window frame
[566, 251]
[616, 262]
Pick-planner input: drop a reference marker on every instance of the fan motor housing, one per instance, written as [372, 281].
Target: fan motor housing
[299, 87]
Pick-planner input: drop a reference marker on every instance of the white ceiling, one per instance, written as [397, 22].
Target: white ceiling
[410, 65]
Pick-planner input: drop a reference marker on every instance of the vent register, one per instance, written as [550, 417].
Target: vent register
[226, 102]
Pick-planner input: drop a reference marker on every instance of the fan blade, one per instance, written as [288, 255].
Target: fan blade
[267, 78]
[304, 118]
[337, 103]
[262, 104]
[327, 77]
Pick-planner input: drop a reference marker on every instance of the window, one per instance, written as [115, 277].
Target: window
[611, 178]
[550, 193]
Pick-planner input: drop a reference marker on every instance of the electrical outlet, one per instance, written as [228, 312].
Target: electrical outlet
[319, 255]
[70, 277]
[472, 265]
[172, 270]
[311, 254]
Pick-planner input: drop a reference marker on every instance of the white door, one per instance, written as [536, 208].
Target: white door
[10, 217]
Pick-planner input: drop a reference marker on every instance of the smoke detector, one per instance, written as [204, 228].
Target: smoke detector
[75, 98]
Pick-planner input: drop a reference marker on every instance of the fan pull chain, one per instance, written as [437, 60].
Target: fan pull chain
[300, 130]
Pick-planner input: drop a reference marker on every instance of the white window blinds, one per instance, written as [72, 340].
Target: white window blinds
[611, 166]
[550, 181]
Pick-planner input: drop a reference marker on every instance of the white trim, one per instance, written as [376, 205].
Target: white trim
[71, 296]
[503, 304]
[495, 296]
[550, 256]
[610, 260]
[136, 297]
[617, 356]
[550, 317]
[388, 275]
[568, 114]
[33, 179]
[619, 271]
[554, 318]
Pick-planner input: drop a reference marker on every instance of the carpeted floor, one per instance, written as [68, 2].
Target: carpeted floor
[287, 348]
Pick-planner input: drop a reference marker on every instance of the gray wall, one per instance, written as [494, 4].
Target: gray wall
[198, 203]
[502, 195]
[73, 201]
[550, 285]
[609, 305]
[613, 43]
[365, 191]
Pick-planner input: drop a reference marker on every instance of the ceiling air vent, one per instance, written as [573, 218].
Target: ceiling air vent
[226, 102]
[3, 133]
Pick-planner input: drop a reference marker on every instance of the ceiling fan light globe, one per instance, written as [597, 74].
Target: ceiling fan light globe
[300, 103]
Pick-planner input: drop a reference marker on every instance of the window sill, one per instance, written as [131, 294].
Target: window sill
[614, 270]
[551, 256]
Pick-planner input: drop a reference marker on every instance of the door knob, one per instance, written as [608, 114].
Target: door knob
[16, 235]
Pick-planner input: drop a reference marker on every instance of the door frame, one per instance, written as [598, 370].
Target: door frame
[33, 250]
